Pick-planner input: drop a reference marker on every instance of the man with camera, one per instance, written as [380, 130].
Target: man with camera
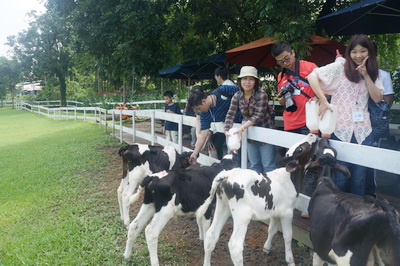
[294, 90]
[294, 93]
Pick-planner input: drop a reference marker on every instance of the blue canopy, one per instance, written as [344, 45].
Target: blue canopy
[366, 17]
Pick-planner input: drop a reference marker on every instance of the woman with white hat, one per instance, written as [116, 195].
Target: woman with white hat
[252, 101]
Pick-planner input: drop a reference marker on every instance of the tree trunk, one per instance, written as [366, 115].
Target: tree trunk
[12, 93]
[63, 90]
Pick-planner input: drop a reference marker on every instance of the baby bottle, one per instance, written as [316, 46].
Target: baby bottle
[328, 122]
[233, 140]
[312, 120]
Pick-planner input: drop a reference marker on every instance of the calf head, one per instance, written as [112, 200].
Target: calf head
[228, 162]
[183, 159]
[325, 160]
[298, 159]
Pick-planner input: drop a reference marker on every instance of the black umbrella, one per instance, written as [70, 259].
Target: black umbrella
[218, 60]
[366, 17]
[211, 63]
[179, 72]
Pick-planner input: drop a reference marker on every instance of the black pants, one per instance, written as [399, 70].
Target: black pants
[218, 139]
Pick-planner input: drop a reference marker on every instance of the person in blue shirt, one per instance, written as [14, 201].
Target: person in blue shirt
[170, 129]
[212, 109]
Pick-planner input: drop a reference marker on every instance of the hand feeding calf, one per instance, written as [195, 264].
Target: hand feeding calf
[172, 193]
[139, 161]
[246, 195]
[348, 229]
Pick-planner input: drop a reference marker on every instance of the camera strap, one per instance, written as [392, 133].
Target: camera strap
[296, 77]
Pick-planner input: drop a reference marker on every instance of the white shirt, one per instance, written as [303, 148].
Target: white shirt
[228, 82]
[386, 81]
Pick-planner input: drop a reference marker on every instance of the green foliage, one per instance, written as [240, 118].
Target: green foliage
[100, 46]
[9, 76]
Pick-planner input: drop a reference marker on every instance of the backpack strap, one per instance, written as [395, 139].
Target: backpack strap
[224, 93]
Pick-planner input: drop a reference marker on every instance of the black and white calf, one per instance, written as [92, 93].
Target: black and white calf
[171, 193]
[246, 195]
[348, 229]
[139, 161]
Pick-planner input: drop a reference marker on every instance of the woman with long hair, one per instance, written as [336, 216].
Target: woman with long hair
[350, 84]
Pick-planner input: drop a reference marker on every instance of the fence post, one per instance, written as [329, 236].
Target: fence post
[105, 119]
[95, 116]
[180, 134]
[153, 135]
[84, 115]
[67, 114]
[75, 112]
[121, 132]
[113, 122]
[243, 163]
[134, 127]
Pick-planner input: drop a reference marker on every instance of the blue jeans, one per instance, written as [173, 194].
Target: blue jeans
[261, 156]
[356, 183]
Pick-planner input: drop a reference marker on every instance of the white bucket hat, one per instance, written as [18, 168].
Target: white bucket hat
[248, 71]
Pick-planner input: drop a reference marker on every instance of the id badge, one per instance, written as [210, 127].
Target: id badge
[358, 115]
[213, 128]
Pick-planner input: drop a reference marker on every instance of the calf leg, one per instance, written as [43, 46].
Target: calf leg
[126, 193]
[155, 227]
[146, 212]
[124, 183]
[240, 224]
[272, 230]
[135, 177]
[204, 224]
[287, 232]
[221, 214]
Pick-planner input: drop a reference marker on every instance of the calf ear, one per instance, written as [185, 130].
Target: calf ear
[184, 159]
[292, 166]
[343, 169]
[234, 156]
[313, 164]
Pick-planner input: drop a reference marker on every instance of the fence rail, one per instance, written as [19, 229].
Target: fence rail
[378, 158]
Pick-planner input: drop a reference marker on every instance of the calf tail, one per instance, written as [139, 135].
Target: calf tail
[215, 185]
[135, 196]
[146, 181]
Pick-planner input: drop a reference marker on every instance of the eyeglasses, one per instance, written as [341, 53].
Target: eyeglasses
[285, 60]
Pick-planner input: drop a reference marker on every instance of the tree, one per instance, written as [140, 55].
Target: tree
[46, 48]
[9, 77]
[122, 38]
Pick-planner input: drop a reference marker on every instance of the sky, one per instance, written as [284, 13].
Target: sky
[13, 18]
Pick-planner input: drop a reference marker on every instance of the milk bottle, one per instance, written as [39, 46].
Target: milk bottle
[233, 141]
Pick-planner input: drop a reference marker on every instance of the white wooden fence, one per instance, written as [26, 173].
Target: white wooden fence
[380, 159]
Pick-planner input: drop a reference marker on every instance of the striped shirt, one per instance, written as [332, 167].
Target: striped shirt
[255, 110]
[218, 113]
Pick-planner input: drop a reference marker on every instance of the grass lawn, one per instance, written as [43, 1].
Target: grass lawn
[58, 202]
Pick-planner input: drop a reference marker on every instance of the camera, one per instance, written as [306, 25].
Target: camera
[287, 93]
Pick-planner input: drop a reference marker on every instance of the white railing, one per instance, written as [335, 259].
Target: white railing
[380, 159]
